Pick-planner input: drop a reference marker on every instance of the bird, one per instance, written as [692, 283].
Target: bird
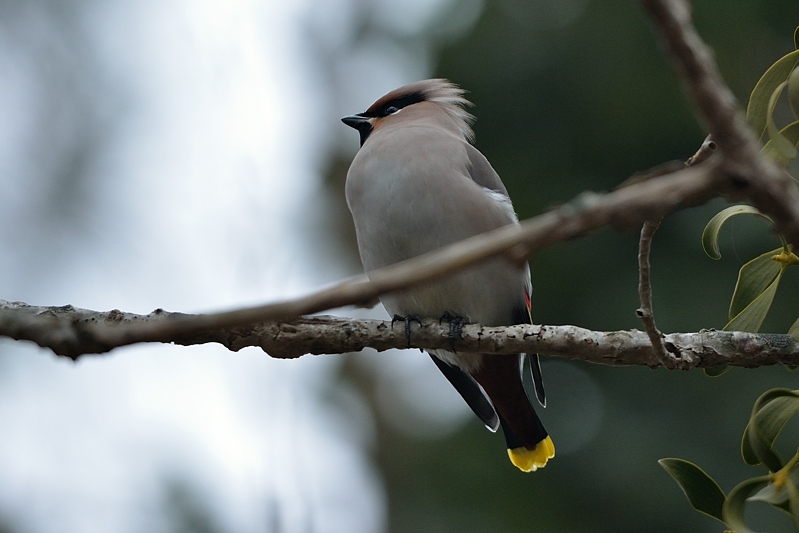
[417, 183]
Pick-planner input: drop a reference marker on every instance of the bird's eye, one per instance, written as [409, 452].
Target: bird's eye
[390, 110]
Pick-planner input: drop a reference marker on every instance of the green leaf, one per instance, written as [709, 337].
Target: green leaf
[716, 371]
[735, 504]
[757, 112]
[763, 450]
[782, 145]
[765, 400]
[702, 491]
[780, 497]
[791, 134]
[754, 278]
[793, 91]
[770, 419]
[710, 235]
[785, 497]
[771, 412]
[770, 494]
[751, 318]
[794, 330]
[793, 500]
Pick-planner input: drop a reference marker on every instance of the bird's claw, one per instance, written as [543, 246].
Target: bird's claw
[407, 319]
[456, 323]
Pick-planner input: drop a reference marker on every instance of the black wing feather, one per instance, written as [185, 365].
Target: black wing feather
[538, 379]
[470, 391]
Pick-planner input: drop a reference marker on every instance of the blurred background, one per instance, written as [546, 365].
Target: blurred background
[189, 155]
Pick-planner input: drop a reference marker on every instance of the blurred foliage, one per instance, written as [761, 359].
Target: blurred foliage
[570, 96]
[186, 511]
[6, 527]
[778, 488]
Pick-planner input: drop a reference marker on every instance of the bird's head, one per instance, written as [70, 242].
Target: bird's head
[437, 100]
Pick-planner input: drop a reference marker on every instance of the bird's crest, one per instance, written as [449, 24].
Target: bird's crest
[438, 90]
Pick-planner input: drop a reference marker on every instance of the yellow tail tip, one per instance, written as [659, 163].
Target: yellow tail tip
[531, 460]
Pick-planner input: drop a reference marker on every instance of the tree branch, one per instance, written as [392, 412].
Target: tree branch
[60, 329]
[623, 208]
[748, 173]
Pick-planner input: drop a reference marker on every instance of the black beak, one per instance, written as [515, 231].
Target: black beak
[360, 123]
[355, 121]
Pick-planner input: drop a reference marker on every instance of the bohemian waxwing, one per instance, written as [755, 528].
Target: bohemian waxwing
[417, 184]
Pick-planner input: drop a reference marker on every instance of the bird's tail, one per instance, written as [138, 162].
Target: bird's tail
[529, 444]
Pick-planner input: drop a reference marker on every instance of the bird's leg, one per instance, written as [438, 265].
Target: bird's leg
[407, 319]
[456, 323]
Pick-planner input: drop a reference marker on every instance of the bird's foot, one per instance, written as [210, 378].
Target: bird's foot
[407, 319]
[456, 323]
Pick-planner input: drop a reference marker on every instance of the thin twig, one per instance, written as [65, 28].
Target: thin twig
[706, 149]
[645, 312]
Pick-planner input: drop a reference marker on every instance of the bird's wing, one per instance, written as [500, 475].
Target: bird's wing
[481, 171]
[538, 378]
[471, 392]
[525, 316]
